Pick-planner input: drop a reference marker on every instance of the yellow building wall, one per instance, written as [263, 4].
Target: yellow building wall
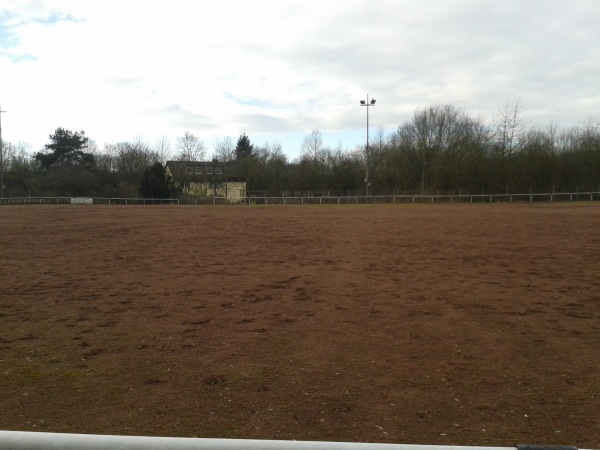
[234, 191]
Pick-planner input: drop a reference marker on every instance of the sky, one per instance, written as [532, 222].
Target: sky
[278, 69]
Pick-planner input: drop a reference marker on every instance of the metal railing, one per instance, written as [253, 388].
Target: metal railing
[94, 200]
[427, 198]
[320, 200]
[24, 440]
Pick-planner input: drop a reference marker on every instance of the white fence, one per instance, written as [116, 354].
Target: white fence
[89, 200]
[434, 198]
[22, 440]
[322, 200]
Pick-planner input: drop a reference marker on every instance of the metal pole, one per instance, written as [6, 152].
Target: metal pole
[367, 104]
[367, 155]
[1, 157]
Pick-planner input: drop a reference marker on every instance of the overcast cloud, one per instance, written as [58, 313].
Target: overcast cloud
[278, 69]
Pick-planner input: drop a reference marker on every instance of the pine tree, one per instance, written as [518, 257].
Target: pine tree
[155, 183]
[244, 147]
[66, 147]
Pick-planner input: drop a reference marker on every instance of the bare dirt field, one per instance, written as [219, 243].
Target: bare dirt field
[424, 324]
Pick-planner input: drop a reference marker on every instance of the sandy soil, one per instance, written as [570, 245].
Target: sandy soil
[426, 324]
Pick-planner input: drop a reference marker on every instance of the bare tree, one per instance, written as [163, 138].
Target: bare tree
[105, 158]
[16, 156]
[190, 147]
[509, 126]
[508, 135]
[224, 149]
[379, 140]
[18, 165]
[315, 162]
[130, 159]
[275, 167]
[162, 148]
[433, 132]
[312, 146]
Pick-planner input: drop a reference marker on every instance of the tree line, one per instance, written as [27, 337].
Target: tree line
[440, 150]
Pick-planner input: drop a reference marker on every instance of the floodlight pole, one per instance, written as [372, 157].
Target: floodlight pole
[1, 157]
[367, 183]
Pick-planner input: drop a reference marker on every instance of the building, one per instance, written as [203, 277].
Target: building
[208, 179]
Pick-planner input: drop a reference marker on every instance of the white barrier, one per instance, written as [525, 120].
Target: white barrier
[82, 201]
[317, 200]
[87, 201]
[424, 198]
[24, 440]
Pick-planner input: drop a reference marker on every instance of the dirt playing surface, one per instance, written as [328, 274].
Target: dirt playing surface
[424, 324]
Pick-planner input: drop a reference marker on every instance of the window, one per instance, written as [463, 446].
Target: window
[198, 170]
[188, 170]
[209, 170]
[218, 170]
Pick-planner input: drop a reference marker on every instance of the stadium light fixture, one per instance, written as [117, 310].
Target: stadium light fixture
[367, 183]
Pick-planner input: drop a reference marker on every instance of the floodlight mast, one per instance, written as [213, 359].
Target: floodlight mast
[367, 183]
[1, 157]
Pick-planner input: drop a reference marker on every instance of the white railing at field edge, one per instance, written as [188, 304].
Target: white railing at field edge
[319, 200]
[420, 198]
[94, 200]
[24, 440]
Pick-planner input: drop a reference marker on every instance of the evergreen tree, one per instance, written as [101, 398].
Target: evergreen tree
[244, 147]
[155, 183]
[66, 148]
